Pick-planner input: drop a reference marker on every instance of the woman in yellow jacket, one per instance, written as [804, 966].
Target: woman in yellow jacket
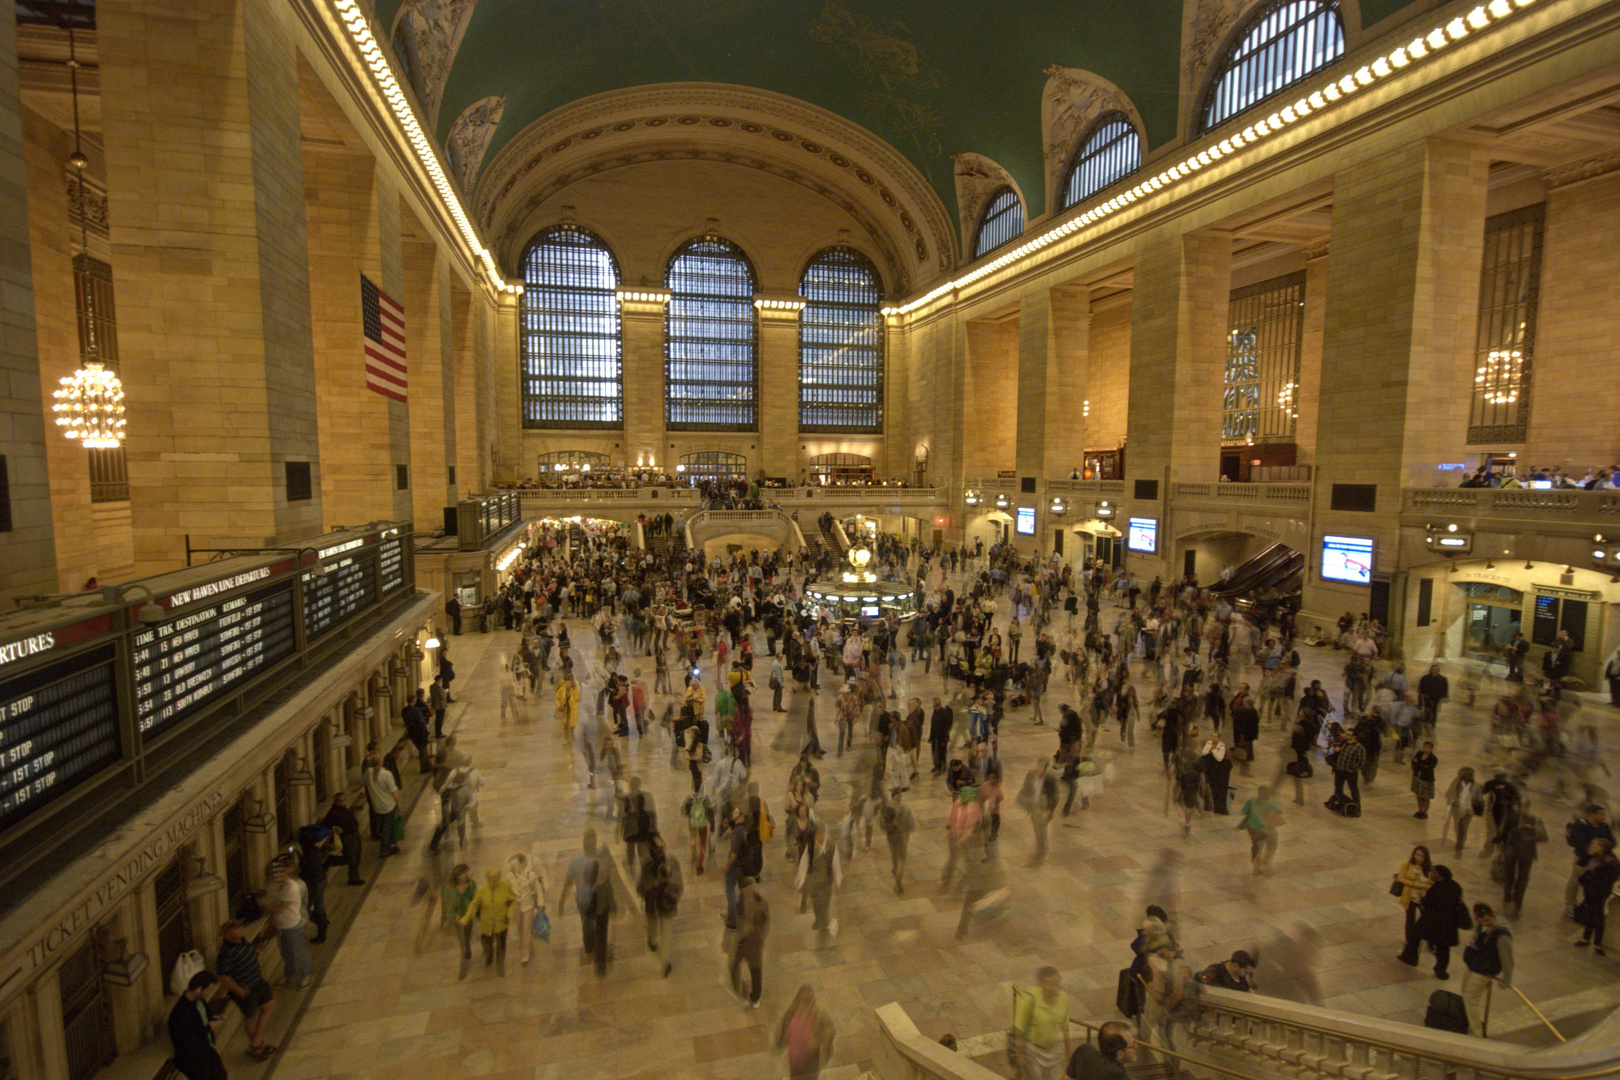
[1413, 878]
[492, 905]
[568, 704]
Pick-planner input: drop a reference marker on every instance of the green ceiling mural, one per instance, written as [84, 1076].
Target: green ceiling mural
[931, 78]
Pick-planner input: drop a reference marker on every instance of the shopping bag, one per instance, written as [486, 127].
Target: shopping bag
[542, 926]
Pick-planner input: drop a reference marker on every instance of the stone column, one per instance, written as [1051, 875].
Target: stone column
[430, 356]
[641, 331]
[29, 549]
[1399, 326]
[515, 462]
[46, 995]
[470, 418]
[260, 836]
[1307, 396]
[200, 120]
[304, 798]
[778, 385]
[1054, 328]
[136, 1008]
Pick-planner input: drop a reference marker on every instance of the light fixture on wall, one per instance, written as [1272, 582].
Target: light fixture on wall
[90, 403]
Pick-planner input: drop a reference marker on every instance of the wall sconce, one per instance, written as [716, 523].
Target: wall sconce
[1002, 502]
[971, 498]
[1104, 510]
[204, 882]
[1058, 507]
[259, 821]
[126, 967]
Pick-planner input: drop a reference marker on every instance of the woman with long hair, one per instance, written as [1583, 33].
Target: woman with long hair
[1413, 878]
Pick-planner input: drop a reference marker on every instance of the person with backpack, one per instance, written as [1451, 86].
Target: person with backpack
[660, 887]
[1488, 955]
[698, 812]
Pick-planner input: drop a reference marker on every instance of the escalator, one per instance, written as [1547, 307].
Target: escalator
[1279, 569]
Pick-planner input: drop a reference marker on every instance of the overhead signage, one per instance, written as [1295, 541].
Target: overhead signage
[1347, 558]
[58, 726]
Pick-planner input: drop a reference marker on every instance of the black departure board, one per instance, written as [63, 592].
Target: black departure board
[348, 587]
[391, 565]
[183, 664]
[58, 727]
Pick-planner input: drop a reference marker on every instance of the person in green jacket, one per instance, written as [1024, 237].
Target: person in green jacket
[458, 897]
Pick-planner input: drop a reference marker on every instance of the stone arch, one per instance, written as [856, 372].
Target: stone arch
[469, 138]
[903, 225]
[978, 179]
[1071, 104]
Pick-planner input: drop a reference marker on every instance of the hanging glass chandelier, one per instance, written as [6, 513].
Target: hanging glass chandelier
[90, 407]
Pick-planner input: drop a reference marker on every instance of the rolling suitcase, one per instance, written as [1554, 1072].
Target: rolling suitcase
[1446, 1013]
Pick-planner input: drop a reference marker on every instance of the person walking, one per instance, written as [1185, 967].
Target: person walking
[1039, 798]
[806, 1032]
[898, 823]
[1523, 833]
[567, 702]
[1261, 817]
[1040, 1031]
[1423, 766]
[191, 1030]
[777, 682]
[939, 733]
[1597, 885]
[529, 886]
[1413, 880]
[753, 924]
[493, 906]
[660, 887]
[1463, 802]
[458, 896]
[1488, 955]
[1578, 834]
[1347, 763]
[1442, 916]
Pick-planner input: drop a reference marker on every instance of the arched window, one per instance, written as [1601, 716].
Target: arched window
[712, 465]
[571, 355]
[1286, 41]
[840, 345]
[711, 339]
[1003, 220]
[1110, 153]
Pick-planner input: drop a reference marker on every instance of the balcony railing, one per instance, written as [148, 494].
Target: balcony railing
[1296, 495]
[1558, 504]
[587, 496]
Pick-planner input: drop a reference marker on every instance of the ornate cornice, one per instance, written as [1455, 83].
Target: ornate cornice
[1565, 175]
[785, 136]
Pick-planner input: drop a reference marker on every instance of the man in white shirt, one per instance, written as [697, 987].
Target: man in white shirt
[380, 792]
[284, 899]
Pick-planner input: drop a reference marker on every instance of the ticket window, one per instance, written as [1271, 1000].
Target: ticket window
[86, 1012]
[174, 933]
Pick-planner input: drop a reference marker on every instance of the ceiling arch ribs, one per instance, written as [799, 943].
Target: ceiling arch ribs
[877, 186]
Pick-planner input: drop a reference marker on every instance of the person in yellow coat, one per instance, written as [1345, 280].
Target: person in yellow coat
[493, 905]
[568, 704]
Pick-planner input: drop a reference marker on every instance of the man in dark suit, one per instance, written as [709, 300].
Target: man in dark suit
[191, 1029]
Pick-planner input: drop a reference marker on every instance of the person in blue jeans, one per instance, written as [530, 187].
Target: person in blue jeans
[285, 899]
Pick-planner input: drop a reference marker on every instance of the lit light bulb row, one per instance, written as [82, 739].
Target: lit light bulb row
[364, 41]
[1419, 48]
[779, 305]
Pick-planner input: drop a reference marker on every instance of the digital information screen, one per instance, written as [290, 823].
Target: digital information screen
[1142, 534]
[183, 664]
[348, 587]
[1025, 523]
[1347, 558]
[58, 726]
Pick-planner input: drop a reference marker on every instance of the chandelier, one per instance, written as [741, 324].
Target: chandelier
[90, 407]
[858, 573]
[1498, 380]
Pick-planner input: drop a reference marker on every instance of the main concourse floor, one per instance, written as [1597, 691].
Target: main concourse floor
[391, 1004]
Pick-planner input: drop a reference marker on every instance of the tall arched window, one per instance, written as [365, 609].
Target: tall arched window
[840, 345]
[1286, 41]
[1110, 153]
[711, 339]
[1003, 220]
[571, 355]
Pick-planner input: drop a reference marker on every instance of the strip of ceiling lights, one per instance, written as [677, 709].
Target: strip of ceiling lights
[1418, 49]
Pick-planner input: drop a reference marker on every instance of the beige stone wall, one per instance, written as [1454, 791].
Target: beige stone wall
[1053, 365]
[1108, 384]
[29, 563]
[990, 397]
[1308, 395]
[1575, 403]
[430, 362]
[51, 247]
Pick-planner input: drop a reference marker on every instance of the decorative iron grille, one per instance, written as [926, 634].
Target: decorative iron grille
[98, 342]
[1265, 336]
[841, 345]
[1110, 153]
[1504, 344]
[1003, 221]
[1287, 40]
[711, 339]
[572, 369]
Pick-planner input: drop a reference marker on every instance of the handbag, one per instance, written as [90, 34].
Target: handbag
[1396, 888]
[185, 966]
[399, 829]
[542, 925]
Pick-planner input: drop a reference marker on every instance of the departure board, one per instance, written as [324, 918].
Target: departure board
[348, 587]
[58, 727]
[183, 664]
[391, 564]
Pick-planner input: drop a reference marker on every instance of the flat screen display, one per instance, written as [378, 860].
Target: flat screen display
[1347, 558]
[1143, 535]
[1026, 521]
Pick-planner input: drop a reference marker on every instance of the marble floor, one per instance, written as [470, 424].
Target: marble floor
[391, 1006]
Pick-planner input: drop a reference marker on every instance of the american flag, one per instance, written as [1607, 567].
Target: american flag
[384, 323]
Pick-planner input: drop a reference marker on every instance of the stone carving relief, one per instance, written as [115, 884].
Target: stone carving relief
[470, 136]
[977, 179]
[426, 36]
[1204, 27]
[1072, 102]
